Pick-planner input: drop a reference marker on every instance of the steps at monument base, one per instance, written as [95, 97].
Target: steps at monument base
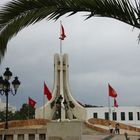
[122, 137]
[59, 138]
[89, 130]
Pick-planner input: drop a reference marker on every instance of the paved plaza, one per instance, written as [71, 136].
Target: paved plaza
[109, 137]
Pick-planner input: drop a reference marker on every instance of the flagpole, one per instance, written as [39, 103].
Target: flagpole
[108, 104]
[109, 108]
[60, 38]
[28, 103]
[60, 46]
[44, 106]
[114, 108]
[28, 111]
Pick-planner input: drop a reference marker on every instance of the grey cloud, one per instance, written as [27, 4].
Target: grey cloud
[100, 50]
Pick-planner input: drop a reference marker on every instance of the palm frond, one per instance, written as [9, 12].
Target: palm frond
[18, 14]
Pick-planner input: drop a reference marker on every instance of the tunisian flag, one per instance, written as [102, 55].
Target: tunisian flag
[47, 92]
[62, 33]
[112, 92]
[115, 103]
[31, 102]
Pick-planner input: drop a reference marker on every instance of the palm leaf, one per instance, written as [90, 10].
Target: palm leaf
[18, 14]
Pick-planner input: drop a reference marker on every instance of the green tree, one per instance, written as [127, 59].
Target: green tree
[26, 112]
[11, 115]
[17, 115]
[18, 14]
[3, 115]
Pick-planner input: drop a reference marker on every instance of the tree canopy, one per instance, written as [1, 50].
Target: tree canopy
[18, 14]
[24, 113]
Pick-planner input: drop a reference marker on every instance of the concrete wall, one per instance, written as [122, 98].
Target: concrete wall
[65, 130]
[24, 134]
[25, 123]
[53, 131]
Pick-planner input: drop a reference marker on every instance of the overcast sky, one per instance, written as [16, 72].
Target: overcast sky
[101, 51]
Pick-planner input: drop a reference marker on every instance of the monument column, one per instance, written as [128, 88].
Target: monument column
[62, 89]
[62, 105]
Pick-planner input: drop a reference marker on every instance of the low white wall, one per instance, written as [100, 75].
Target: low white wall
[24, 134]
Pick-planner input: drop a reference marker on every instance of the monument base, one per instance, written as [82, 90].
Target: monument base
[71, 130]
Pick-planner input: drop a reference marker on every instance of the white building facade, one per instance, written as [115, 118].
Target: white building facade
[128, 115]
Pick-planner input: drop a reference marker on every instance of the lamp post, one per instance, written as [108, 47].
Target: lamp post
[5, 89]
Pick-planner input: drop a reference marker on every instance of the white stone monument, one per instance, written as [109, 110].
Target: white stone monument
[66, 113]
[62, 105]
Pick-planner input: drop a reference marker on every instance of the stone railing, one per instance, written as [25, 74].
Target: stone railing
[33, 129]
[90, 125]
[106, 123]
[25, 123]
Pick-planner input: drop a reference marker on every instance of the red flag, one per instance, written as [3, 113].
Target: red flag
[31, 102]
[115, 103]
[112, 92]
[47, 92]
[62, 33]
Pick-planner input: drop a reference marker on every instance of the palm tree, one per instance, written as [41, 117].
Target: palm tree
[18, 14]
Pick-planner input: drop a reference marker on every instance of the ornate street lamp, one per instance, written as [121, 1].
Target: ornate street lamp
[5, 89]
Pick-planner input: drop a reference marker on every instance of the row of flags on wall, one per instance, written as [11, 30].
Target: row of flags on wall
[111, 93]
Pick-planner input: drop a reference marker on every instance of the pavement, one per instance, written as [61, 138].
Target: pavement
[109, 137]
[94, 137]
